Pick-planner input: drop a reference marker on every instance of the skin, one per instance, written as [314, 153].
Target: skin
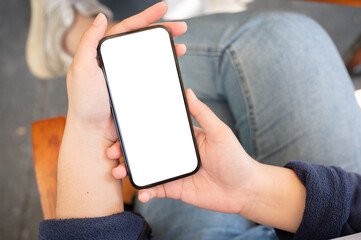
[229, 180]
[86, 187]
[82, 23]
[247, 188]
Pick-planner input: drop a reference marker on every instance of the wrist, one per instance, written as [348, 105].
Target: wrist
[278, 199]
[86, 187]
[254, 190]
[102, 132]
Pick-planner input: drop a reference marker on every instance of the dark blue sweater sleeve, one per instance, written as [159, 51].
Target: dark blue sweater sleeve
[124, 225]
[333, 202]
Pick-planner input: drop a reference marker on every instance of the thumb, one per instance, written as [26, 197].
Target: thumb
[87, 48]
[208, 121]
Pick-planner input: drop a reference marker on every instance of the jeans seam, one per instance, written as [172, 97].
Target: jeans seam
[247, 97]
[202, 50]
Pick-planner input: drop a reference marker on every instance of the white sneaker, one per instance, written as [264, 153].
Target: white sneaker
[50, 19]
[182, 9]
[217, 6]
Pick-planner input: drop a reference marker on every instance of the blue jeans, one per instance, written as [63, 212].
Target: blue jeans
[278, 81]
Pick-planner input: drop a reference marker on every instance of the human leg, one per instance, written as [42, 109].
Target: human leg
[299, 97]
[73, 34]
[269, 73]
[284, 82]
[47, 41]
[172, 219]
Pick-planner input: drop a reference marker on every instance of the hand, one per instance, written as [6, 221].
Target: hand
[87, 93]
[227, 172]
[85, 185]
[229, 180]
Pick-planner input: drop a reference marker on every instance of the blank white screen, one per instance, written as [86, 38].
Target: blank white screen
[148, 102]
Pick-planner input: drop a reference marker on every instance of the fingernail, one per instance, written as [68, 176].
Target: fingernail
[99, 19]
[144, 197]
[192, 94]
[183, 45]
[185, 24]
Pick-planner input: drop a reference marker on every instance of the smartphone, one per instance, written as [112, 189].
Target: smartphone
[149, 106]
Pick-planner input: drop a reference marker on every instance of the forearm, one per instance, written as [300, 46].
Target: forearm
[86, 187]
[278, 200]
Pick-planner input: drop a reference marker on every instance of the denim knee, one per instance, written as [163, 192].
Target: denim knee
[286, 23]
[287, 68]
[283, 31]
[290, 43]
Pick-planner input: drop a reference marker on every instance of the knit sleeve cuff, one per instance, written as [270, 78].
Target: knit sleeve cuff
[327, 201]
[124, 225]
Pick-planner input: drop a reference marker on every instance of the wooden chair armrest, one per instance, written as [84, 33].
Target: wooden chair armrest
[46, 137]
[354, 3]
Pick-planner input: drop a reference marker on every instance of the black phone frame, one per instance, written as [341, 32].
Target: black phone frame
[101, 65]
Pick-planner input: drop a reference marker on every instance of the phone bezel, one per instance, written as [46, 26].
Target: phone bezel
[100, 61]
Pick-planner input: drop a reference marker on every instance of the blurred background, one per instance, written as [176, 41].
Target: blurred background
[25, 99]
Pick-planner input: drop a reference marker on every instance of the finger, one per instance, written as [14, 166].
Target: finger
[87, 48]
[114, 151]
[180, 49]
[208, 121]
[176, 28]
[120, 171]
[147, 194]
[168, 190]
[197, 131]
[144, 196]
[143, 19]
